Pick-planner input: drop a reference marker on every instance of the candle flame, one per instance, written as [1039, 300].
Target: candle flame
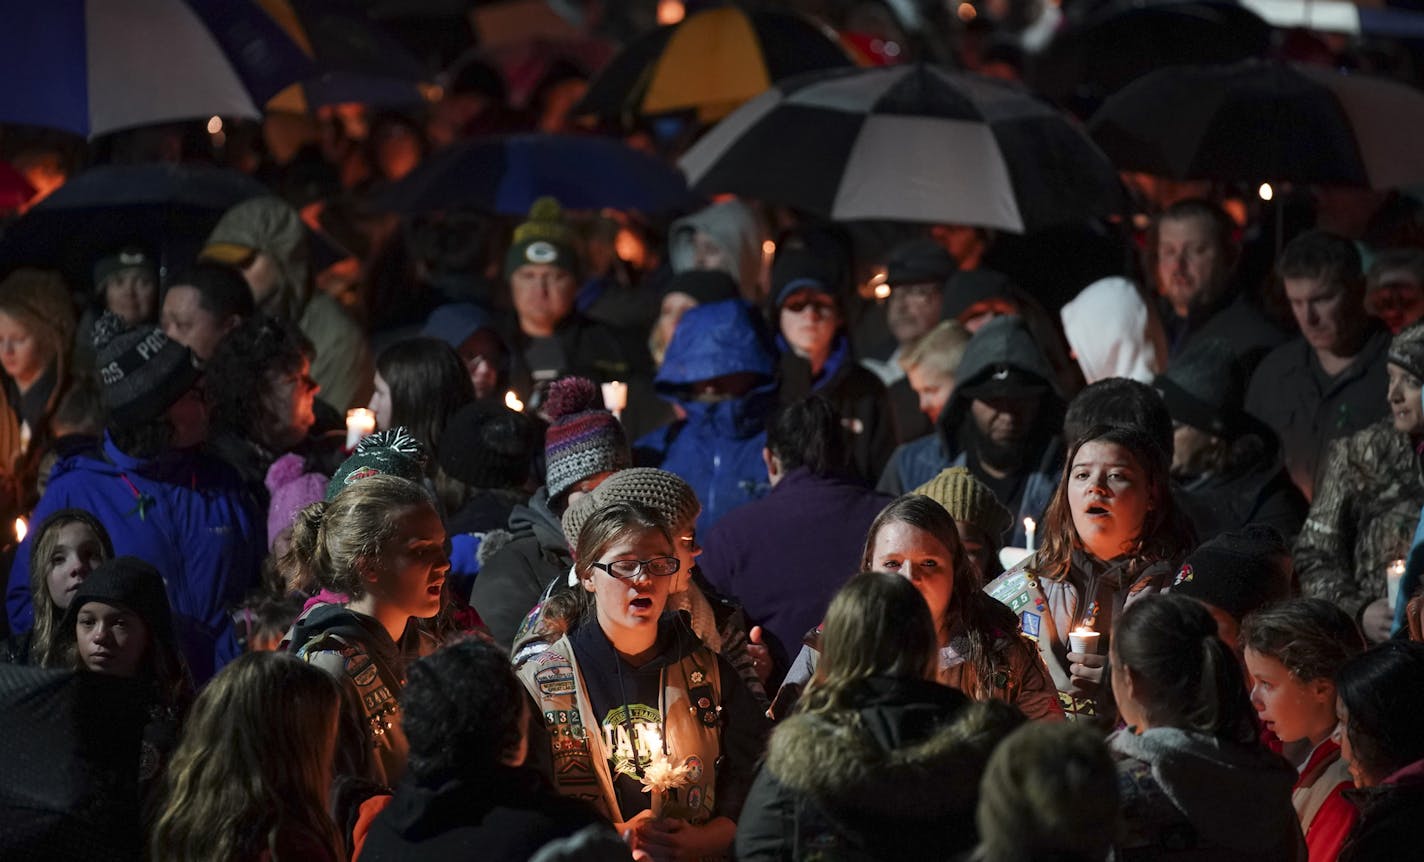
[22, 529]
[1030, 525]
[512, 402]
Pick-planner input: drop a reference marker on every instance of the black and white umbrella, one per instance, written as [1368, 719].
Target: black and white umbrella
[908, 143]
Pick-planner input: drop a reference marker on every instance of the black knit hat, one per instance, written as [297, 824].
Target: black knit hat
[488, 446]
[1238, 571]
[704, 285]
[143, 371]
[131, 583]
[919, 261]
[1205, 387]
[973, 287]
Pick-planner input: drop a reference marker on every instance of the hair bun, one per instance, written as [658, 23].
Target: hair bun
[571, 395]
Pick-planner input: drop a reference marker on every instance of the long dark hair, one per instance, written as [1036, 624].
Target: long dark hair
[970, 610]
[1165, 533]
[1186, 676]
[1383, 690]
[428, 383]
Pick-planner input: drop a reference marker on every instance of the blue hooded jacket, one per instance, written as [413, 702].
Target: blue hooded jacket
[182, 513]
[717, 448]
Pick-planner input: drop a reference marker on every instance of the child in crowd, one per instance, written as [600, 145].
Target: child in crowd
[1293, 650]
[1110, 536]
[251, 777]
[66, 548]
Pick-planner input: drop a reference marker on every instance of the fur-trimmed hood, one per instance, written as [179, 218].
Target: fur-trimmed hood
[908, 758]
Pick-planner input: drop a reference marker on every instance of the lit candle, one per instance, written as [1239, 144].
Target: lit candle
[1083, 640]
[615, 397]
[512, 402]
[359, 422]
[1392, 578]
[21, 530]
[1029, 528]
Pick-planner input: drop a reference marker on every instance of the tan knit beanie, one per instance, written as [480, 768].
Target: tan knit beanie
[663, 492]
[965, 498]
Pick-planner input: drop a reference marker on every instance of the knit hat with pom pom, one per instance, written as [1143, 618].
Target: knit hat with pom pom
[583, 439]
[545, 238]
[392, 452]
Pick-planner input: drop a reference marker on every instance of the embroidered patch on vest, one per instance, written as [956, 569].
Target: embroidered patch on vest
[555, 680]
[1031, 624]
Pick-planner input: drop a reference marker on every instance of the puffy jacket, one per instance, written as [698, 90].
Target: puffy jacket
[1362, 518]
[512, 578]
[717, 448]
[1003, 342]
[182, 513]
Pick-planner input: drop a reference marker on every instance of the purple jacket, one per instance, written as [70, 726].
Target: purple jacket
[784, 556]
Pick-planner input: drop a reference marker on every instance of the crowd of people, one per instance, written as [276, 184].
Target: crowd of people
[739, 534]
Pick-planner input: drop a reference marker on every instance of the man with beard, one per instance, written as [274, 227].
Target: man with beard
[1001, 423]
[1192, 251]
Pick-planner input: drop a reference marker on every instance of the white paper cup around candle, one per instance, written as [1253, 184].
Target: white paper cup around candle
[1392, 578]
[360, 421]
[1083, 641]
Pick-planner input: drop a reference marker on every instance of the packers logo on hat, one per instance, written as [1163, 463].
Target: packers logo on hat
[541, 252]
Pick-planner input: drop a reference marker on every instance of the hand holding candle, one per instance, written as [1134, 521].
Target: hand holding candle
[1083, 641]
[359, 423]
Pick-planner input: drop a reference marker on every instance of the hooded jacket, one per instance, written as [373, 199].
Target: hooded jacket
[1186, 795]
[733, 226]
[513, 577]
[1114, 332]
[343, 366]
[1363, 517]
[891, 780]
[717, 448]
[182, 513]
[1002, 343]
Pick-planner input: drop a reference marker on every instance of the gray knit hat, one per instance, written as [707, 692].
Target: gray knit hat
[583, 439]
[1407, 350]
[667, 494]
[143, 372]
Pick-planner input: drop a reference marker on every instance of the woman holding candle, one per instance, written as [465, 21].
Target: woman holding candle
[1196, 781]
[1111, 534]
[644, 722]
[981, 651]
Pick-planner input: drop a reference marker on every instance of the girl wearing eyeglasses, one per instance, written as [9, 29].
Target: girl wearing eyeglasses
[644, 722]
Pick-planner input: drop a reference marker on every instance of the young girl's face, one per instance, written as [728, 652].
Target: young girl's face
[632, 603]
[77, 550]
[112, 639]
[1290, 708]
[411, 569]
[917, 556]
[1109, 496]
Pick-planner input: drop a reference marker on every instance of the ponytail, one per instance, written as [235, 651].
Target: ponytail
[306, 554]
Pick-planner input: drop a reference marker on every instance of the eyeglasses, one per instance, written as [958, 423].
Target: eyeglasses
[627, 570]
[824, 308]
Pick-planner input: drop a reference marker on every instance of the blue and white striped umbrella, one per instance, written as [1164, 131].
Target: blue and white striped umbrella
[98, 66]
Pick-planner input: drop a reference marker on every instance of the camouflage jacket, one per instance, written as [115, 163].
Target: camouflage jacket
[1367, 499]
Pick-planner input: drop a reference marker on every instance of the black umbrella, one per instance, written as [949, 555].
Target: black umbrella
[69, 761]
[1266, 121]
[1120, 41]
[169, 209]
[908, 143]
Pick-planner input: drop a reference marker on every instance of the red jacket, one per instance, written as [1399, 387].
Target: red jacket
[1325, 814]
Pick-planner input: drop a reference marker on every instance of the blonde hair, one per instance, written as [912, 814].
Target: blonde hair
[940, 350]
[248, 771]
[46, 647]
[331, 541]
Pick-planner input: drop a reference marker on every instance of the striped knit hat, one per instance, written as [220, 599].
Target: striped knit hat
[583, 439]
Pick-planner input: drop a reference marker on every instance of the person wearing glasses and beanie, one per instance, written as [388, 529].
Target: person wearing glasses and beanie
[643, 721]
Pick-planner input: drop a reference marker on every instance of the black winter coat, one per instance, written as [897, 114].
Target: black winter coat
[1388, 828]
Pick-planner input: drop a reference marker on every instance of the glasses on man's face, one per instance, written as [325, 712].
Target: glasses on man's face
[627, 570]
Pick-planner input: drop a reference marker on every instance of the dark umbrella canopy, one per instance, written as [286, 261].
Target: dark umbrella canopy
[69, 761]
[710, 62]
[507, 174]
[167, 208]
[908, 143]
[1266, 121]
[1119, 42]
